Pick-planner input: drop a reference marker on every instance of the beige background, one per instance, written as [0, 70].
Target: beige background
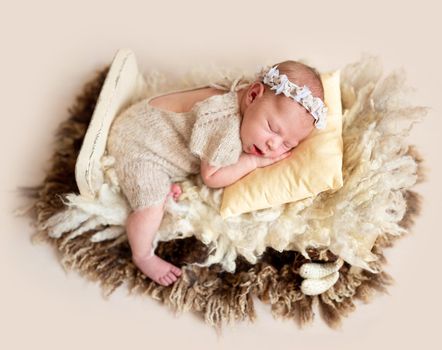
[49, 49]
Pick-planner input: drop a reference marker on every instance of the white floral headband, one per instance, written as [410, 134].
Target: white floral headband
[302, 95]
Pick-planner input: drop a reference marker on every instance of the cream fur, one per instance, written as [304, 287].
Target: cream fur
[376, 168]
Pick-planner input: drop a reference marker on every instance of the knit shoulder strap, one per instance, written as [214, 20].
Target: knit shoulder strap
[229, 85]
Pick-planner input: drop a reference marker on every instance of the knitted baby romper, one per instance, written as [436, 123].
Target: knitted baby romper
[154, 147]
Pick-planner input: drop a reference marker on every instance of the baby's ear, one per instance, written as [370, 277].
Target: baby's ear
[255, 90]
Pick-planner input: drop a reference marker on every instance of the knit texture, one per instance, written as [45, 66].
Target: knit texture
[154, 147]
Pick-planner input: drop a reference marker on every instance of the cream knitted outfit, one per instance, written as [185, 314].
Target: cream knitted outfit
[153, 147]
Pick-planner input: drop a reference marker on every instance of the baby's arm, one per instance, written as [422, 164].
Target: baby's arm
[221, 177]
[216, 177]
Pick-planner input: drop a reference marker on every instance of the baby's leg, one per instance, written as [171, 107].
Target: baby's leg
[141, 227]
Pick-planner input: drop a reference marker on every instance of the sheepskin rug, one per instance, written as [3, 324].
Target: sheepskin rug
[226, 262]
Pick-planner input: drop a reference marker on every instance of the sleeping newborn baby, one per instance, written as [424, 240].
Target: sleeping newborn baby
[221, 135]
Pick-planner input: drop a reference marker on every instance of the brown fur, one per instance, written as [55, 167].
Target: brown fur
[219, 297]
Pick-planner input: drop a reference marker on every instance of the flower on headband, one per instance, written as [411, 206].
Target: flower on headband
[270, 75]
[308, 100]
[283, 86]
[301, 93]
[320, 123]
[316, 105]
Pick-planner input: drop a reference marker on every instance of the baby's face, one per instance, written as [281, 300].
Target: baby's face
[274, 125]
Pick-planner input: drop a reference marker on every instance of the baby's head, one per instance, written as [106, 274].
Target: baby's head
[277, 123]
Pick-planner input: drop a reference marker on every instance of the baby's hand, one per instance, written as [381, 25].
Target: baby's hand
[175, 191]
[263, 162]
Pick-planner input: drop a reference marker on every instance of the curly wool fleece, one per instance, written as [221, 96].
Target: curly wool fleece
[376, 170]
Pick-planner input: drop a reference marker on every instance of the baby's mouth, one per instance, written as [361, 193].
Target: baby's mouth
[258, 150]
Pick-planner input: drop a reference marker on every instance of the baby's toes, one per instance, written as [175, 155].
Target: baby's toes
[176, 271]
[168, 279]
[163, 281]
[172, 276]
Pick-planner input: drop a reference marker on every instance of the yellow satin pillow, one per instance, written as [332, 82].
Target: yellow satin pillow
[314, 166]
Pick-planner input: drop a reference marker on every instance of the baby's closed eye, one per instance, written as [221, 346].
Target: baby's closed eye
[285, 144]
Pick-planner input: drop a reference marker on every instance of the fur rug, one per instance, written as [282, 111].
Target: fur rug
[375, 204]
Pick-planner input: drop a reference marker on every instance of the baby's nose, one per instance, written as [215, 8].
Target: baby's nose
[272, 145]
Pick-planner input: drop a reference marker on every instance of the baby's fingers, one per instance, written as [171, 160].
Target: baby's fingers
[284, 155]
[280, 157]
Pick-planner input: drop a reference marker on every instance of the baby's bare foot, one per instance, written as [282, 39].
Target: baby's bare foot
[158, 269]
